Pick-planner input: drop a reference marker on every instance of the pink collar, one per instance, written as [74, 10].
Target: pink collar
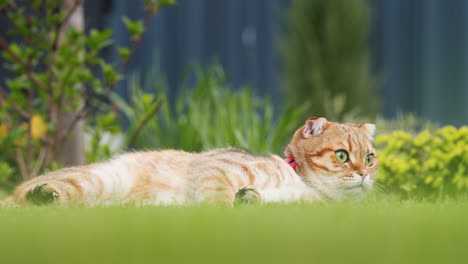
[291, 162]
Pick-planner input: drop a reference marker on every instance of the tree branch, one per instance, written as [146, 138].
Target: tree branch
[27, 67]
[62, 23]
[16, 107]
[55, 42]
[23, 36]
[137, 42]
[21, 164]
[82, 112]
[39, 163]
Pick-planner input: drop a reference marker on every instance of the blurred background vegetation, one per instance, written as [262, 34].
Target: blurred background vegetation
[92, 90]
[327, 58]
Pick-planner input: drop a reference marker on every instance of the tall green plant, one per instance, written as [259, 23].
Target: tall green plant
[326, 56]
[210, 114]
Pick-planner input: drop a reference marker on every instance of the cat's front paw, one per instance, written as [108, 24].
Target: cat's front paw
[43, 194]
[248, 195]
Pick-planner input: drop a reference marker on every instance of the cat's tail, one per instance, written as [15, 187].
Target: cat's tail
[7, 202]
[65, 186]
[109, 182]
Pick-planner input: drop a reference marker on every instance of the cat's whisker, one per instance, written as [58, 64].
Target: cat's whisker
[381, 187]
[379, 192]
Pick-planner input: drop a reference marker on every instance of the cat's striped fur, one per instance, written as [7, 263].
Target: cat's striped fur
[220, 175]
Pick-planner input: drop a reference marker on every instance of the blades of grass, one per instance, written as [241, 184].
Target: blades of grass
[213, 114]
[142, 122]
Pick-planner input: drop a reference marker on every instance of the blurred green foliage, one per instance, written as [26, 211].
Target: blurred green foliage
[327, 74]
[100, 134]
[209, 114]
[427, 163]
[57, 79]
[327, 61]
[407, 122]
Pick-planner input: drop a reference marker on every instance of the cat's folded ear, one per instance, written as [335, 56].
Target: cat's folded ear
[367, 129]
[314, 127]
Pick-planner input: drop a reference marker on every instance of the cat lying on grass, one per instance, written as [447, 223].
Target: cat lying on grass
[325, 160]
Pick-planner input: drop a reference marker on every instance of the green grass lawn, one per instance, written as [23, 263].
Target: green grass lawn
[366, 232]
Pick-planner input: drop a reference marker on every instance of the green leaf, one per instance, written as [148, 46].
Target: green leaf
[36, 3]
[56, 19]
[108, 122]
[4, 3]
[6, 171]
[147, 99]
[73, 34]
[150, 2]
[98, 39]
[18, 84]
[135, 28]
[163, 3]
[15, 48]
[110, 75]
[124, 53]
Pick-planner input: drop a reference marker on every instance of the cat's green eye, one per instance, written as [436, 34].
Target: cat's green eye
[342, 156]
[369, 160]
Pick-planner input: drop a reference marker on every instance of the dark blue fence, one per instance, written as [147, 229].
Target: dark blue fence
[239, 34]
[419, 47]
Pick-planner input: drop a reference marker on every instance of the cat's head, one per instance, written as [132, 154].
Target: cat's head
[338, 160]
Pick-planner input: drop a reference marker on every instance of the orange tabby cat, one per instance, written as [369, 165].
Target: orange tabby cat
[326, 160]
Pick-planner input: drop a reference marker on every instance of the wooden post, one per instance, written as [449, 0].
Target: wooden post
[73, 151]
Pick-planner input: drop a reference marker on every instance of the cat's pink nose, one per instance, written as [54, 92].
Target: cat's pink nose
[362, 173]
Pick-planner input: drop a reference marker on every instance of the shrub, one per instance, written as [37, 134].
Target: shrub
[427, 162]
[57, 81]
[326, 56]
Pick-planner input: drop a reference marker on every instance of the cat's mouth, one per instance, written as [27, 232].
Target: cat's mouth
[359, 185]
[361, 188]
[356, 188]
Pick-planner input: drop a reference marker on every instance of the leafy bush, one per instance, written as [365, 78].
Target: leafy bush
[427, 162]
[210, 114]
[327, 60]
[57, 81]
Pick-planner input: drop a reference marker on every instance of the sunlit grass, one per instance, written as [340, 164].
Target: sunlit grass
[384, 231]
